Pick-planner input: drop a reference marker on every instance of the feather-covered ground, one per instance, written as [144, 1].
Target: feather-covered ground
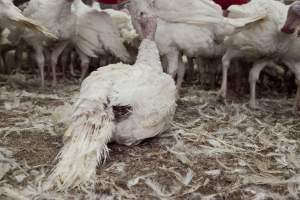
[213, 151]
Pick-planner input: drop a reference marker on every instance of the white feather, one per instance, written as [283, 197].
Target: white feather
[124, 23]
[143, 87]
[89, 132]
[11, 17]
[96, 33]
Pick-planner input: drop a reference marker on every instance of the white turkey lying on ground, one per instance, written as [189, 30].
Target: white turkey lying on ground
[11, 17]
[90, 31]
[192, 27]
[122, 103]
[262, 42]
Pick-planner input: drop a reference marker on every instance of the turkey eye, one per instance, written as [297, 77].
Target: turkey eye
[142, 14]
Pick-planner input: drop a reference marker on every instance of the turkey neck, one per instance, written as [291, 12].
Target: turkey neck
[149, 55]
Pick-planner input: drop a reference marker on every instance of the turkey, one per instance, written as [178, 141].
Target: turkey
[207, 67]
[195, 28]
[265, 50]
[293, 19]
[123, 21]
[92, 32]
[11, 17]
[121, 103]
[291, 57]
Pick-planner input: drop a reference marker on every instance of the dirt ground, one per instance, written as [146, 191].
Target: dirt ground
[215, 150]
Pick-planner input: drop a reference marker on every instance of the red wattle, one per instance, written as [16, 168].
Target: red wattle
[227, 3]
[110, 1]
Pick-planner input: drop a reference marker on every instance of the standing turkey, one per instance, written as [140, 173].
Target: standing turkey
[195, 28]
[291, 26]
[90, 31]
[262, 42]
[121, 103]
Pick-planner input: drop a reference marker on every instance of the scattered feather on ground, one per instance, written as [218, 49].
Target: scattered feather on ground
[213, 151]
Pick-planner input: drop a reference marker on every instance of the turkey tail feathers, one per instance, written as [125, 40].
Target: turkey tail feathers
[85, 148]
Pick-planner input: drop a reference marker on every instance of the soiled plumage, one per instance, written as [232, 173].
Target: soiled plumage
[119, 102]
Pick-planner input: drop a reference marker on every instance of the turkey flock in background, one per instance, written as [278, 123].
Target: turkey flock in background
[131, 98]
[196, 30]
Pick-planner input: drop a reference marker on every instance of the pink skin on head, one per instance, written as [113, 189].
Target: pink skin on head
[225, 13]
[149, 27]
[144, 21]
[293, 19]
